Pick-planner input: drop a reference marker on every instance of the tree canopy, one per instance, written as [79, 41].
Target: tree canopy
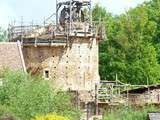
[132, 47]
[3, 35]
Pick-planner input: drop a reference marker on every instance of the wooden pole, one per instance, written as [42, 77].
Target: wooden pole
[22, 29]
[56, 13]
[70, 25]
[116, 79]
[96, 99]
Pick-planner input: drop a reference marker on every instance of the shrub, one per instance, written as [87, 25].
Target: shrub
[5, 114]
[26, 96]
[51, 117]
[130, 113]
[8, 117]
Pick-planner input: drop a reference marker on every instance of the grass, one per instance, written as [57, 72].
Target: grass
[130, 113]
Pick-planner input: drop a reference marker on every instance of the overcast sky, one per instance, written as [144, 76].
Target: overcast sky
[37, 9]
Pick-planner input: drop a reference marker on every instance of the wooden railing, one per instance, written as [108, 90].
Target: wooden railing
[83, 28]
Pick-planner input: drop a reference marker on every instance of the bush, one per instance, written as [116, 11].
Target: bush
[3, 35]
[27, 96]
[5, 114]
[130, 113]
[51, 117]
[8, 117]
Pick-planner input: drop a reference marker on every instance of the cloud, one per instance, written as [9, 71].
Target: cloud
[95, 1]
[120, 6]
[6, 14]
[14, 9]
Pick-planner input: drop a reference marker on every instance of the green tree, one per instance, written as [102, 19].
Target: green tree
[3, 35]
[131, 49]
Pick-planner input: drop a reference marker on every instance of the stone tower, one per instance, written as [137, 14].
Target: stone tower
[65, 52]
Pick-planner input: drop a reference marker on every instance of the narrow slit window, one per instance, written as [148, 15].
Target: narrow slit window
[46, 73]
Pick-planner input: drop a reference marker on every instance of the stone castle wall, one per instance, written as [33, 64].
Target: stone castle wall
[73, 67]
